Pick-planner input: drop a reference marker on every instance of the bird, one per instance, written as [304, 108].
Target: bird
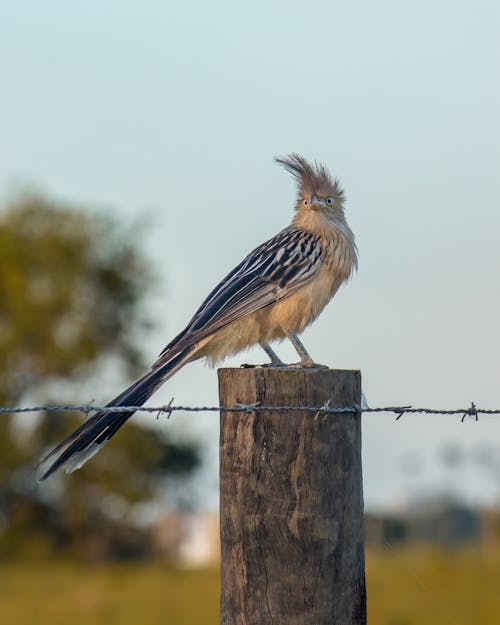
[273, 294]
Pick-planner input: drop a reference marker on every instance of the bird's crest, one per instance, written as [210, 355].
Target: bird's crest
[311, 177]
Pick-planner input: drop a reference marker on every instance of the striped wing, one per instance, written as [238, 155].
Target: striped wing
[273, 271]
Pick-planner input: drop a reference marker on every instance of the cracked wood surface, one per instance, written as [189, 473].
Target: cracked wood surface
[291, 500]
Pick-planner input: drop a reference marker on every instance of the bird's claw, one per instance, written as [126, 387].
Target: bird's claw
[283, 365]
[267, 365]
[309, 364]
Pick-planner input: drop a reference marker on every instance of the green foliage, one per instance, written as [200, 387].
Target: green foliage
[71, 286]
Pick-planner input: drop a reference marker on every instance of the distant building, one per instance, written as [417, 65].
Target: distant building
[436, 521]
[187, 539]
[192, 540]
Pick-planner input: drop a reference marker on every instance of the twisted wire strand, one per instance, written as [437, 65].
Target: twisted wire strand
[169, 409]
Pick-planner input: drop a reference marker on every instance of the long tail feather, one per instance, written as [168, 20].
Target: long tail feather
[91, 435]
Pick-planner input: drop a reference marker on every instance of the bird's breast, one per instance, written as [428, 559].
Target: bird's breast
[292, 313]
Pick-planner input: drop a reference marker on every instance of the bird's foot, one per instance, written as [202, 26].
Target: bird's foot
[303, 364]
[267, 365]
[307, 364]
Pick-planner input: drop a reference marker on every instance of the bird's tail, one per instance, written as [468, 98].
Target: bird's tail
[91, 435]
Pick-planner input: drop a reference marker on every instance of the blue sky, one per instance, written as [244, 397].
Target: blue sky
[172, 112]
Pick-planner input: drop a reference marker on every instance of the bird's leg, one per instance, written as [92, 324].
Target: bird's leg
[305, 359]
[275, 359]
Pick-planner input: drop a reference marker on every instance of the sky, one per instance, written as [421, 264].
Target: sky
[169, 114]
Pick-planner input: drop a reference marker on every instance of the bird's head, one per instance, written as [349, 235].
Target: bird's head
[320, 197]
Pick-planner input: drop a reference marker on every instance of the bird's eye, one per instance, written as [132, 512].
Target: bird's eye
[329, 201]
[306, 202]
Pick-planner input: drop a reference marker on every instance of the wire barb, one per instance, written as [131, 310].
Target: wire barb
[403, 410]
[88, 408]
[247, 407]
[167, 409]
[323, 409]
[472, 411]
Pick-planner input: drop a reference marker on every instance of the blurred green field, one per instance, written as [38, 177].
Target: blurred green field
[425, 586]
[125, 594]
[405, 587]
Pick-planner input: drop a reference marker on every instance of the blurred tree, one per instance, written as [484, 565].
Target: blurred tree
[71, 283]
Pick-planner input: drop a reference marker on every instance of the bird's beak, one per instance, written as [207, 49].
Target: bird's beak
[316, 202]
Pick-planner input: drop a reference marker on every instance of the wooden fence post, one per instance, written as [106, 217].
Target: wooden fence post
[291, 500]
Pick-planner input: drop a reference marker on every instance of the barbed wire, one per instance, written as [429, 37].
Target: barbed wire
[169, 409]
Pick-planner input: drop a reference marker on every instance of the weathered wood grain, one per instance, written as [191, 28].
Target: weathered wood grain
[291, 500]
